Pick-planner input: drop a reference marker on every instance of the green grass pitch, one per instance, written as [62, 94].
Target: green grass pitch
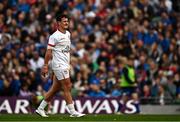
[90, 118]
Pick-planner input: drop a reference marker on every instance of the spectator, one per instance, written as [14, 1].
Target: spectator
[128, 78]
[24, 91]
[36, 62]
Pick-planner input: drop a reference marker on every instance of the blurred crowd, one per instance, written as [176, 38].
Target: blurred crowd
[105, 33]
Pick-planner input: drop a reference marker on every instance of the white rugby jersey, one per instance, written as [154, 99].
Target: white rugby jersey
[61, 49]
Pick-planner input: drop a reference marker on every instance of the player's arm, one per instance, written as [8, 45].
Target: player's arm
[48, 57]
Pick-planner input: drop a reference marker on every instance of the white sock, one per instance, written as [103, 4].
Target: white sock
[71, 108]
[42, 105]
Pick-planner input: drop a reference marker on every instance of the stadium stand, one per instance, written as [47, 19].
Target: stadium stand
[104, 34]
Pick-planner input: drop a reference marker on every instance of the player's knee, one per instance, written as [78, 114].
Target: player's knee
[67, 86]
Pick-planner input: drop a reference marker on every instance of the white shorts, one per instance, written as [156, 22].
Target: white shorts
[62, 74]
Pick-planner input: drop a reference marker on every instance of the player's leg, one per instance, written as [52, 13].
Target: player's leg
[66, 88]
[49, 95]
[53, 90]
[65, 83]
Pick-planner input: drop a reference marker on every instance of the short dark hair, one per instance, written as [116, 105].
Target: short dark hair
[60, 16]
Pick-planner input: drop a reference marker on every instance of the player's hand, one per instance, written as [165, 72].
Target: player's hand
[44, 71]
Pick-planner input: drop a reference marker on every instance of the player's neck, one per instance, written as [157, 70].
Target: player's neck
[62, 30]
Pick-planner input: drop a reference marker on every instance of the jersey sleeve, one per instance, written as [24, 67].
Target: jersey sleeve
[51, 41]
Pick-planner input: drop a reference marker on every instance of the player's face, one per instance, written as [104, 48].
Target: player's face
[64, 23]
